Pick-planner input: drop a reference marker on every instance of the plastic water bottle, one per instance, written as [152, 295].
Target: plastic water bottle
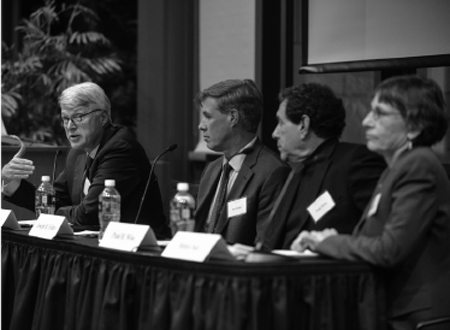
[108, 206]
[182, 208]
[45, 197]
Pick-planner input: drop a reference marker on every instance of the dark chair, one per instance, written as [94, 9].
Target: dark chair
[436, 324]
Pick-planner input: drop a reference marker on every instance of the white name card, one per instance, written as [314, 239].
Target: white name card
[197, 247]
[128, 237]
[49, 226]
[8, 219]
[321, 206]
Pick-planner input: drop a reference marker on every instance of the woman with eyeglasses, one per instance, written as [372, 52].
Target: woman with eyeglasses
[406, 225]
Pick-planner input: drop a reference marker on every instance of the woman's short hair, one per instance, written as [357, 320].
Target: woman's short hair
[242, 95]
[421, 104]
[325, 111]
[88, 95]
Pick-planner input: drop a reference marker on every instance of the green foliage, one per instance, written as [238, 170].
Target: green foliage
[60, 48]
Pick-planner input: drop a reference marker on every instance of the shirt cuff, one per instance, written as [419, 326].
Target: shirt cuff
[10, 188]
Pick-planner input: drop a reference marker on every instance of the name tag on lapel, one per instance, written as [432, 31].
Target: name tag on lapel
[237, 207]
[86, 186]
[374, 205]
[321, 206]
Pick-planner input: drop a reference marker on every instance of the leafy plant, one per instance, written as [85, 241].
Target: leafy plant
[60, 47]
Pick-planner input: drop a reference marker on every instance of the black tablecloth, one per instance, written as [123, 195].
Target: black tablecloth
[74, 284]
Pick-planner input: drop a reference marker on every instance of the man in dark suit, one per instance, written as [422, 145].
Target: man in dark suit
[331, 181]
[251, 174]
[111, 152]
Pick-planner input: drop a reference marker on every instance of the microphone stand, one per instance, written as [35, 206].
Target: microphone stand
[152, 169]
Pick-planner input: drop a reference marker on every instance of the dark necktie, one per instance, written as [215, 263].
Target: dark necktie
[87, 166]
[222, 193]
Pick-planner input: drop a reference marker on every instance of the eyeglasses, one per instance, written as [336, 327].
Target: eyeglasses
[377, 113]
[77, 118]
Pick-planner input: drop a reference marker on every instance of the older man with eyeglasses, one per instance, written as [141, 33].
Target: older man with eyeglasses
[100, 150]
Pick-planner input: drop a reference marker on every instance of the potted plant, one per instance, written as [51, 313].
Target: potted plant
[60, 47]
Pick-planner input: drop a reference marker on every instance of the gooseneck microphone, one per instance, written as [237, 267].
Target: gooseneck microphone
[55, 165]
[152, 169]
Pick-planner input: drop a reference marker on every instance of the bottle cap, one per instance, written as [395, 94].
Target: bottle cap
[46, 178]
[182, 186]
[110, 183]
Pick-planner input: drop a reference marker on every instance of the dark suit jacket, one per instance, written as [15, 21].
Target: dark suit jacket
[409, 234]
[349, 172]
[260, 180]
[119, 157]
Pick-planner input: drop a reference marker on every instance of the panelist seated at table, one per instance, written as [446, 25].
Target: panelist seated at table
[406, 225]
[100, 150]
[251, 174]
[331, 181]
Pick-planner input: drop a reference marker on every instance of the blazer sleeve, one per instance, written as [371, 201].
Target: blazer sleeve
[407, 212]
[270, 191]
[23, 196]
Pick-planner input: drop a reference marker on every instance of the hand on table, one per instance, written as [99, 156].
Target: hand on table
[309, 240]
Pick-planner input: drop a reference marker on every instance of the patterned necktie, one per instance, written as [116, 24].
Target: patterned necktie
[222, 192]
[87, 166]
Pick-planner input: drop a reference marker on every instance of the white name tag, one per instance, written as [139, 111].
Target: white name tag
[197, 247]
[8, 219]
[237, 207]
[48, 226]
[321, 206]
[374, 205]
[87, 184]
[128, 237]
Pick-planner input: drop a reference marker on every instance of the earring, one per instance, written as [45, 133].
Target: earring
[409, 145]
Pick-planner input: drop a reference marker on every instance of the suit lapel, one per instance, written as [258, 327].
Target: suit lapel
[206, 192]
[244, 176]
[320, 163]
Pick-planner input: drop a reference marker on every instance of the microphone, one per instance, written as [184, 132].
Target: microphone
[152, 169]
[55, 164]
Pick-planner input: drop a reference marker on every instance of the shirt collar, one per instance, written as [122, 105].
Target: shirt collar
[238, 159]
[93, 152]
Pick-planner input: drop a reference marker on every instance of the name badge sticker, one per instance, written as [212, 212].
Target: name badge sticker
[321, 206]
[237, 207]
[374, 205]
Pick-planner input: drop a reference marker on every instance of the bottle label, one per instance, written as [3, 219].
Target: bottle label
[181, 217]
[186, 213]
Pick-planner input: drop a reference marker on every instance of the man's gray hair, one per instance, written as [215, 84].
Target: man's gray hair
[87, 95]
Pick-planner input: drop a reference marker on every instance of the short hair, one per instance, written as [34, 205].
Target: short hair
[420, 103]
[88, 95]
[325, 111]
[242, 95]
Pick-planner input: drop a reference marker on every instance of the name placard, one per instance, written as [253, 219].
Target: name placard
[8, 219]
[197, 247]
[128, 237]
[49, 226]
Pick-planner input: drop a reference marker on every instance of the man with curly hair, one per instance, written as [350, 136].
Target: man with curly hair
[331, 181]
